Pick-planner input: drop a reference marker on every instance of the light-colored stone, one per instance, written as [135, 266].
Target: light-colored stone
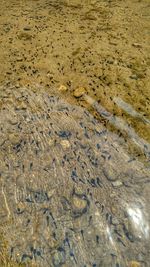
[134, 264]
[65, 144]
[79, 203]
[80, 91]
[62, 88]
[117, 183]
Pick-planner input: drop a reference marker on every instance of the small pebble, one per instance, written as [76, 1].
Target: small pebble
[137, 45]
[62, 88]
[110, 173]
[134, 264]
[117, 183]
[79, 203]
[79, 92]
[65, 144]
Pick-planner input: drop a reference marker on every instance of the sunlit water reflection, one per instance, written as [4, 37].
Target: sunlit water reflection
[68, 186]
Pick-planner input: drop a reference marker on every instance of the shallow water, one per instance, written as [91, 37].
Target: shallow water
[75, 132]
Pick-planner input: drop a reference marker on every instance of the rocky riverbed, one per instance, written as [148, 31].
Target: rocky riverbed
[70, 194]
